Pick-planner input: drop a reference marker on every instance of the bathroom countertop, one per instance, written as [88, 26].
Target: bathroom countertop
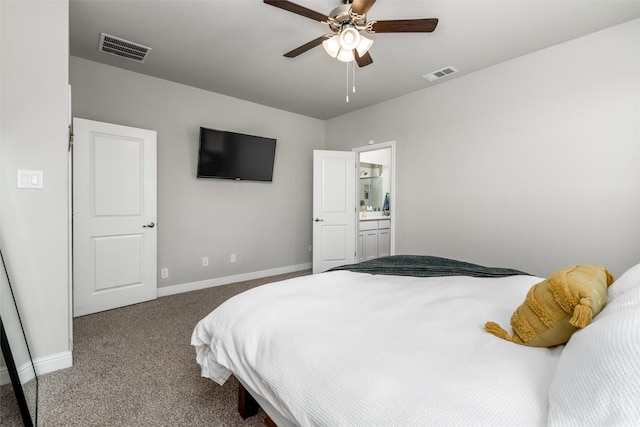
[373, 216]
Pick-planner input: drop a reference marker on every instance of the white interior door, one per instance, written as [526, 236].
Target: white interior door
[114, 216]
[334, 209]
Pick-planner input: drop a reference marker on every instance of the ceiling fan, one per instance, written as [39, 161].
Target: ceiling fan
[347, 22]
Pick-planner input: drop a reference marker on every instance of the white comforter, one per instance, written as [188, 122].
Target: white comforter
[353, 349]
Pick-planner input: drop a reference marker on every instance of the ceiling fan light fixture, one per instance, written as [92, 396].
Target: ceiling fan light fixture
[335, 50]
[332, 46]
[364, 45]
[345, 55]
[349, 37]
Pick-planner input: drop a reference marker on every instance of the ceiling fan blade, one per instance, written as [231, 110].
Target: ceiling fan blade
[361, 7]
[363, 60]
[426, 25]
[300, 10]
[305, 47]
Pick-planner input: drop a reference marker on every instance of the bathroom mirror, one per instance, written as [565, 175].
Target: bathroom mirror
[16, 362]
[371, 188]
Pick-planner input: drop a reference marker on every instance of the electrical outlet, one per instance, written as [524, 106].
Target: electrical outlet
[164, 273]
[310, 248]
[205, 261]
[233, 257]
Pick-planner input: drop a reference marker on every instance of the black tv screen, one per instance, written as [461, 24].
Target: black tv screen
[230, 155]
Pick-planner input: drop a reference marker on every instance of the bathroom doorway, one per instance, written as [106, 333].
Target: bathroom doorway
[375, 193]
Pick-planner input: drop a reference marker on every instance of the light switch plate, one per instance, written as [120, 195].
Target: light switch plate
[29, 179]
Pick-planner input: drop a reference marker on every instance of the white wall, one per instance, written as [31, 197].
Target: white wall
[33, 135]
[267, 225]
[532, 163]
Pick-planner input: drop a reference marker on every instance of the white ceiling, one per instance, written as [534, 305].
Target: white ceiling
[235, 47]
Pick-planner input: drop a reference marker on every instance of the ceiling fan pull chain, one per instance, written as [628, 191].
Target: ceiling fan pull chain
[347, 82]
[353, 73]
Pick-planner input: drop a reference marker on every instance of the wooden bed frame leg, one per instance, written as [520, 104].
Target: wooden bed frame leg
[247, 405]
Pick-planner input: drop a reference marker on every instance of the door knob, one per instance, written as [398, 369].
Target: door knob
[318, 220]
[150, 225]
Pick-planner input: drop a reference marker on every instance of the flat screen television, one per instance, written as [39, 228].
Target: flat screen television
[230, 155]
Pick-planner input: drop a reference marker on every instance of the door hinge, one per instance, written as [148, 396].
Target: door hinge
[70, 138]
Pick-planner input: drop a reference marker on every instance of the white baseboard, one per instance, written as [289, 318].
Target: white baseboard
[210, 283]
[53, 362]
[43, 365]
[24, 372]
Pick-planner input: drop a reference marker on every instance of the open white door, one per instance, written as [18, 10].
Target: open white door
[114, 215]
[334, 209]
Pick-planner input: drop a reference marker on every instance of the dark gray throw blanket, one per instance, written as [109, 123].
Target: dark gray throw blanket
[426, 266]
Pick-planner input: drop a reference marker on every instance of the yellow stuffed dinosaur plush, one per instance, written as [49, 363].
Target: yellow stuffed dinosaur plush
[558, 306]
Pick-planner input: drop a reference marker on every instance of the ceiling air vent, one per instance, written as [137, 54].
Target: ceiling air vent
[123, 48]
[447, 71]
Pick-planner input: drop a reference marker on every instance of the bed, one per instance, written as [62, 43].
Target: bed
[400, 341]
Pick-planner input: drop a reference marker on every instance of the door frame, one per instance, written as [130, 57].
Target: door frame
[70, 220]
[392, 203]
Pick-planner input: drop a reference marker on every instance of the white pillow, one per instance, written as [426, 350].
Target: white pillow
[597, 379]
[630, 279]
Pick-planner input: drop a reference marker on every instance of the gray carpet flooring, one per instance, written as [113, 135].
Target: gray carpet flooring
[134, 366]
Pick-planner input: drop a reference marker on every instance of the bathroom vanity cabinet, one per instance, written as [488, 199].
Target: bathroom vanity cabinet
[374, 238]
